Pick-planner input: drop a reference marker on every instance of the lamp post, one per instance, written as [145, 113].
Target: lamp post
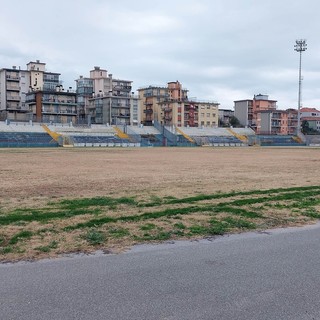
[300, 46]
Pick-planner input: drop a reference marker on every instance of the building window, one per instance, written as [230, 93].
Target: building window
[208, 114]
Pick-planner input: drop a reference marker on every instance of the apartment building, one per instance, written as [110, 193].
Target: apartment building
[53, 106]
[225, 115]
[151, 97]
[14, 84]
[312, 116]
[248, 111]
[282, 122]
[171, 106]
[47, 100]
[35, 94]
[84, 89]
[105, 100]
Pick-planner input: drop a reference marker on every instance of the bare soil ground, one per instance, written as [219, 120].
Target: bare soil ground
[30, 178]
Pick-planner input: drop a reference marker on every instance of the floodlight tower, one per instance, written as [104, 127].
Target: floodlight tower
[300, 46]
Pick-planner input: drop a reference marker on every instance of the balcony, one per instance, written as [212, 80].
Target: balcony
[12, 78]
[120, 106]
[121, 115]
[13, 98]
[59, 112]
[148, 111]
[12, 88]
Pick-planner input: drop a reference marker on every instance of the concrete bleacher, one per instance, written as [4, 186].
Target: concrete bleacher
[20, 127]
[277, 140]
[94, 129]
[147, 136]
[100, 141]
[313, 140]
[205, 131]
[26, 140]
[24, 135]
[143, 130]
[216, 137]
[244, 131]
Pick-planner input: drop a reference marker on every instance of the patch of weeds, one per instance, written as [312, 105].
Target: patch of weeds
[43, 249]
[162, 236]
[118, 232]
[147, 226]
[53, 244]
[239, 223]
[279, 206]
[197, 229]
[20, 236]
[154, 201]
[47, 230]
[95, 237]
[217, 227]
[6, 250]
[20, 250]
[1, 240]
[178, 233]
[179, 225]
[312, 213]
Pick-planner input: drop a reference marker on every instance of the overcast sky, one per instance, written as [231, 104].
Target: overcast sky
[220, 50]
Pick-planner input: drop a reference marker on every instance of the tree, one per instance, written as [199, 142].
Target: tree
[305, 127]
[234, 122]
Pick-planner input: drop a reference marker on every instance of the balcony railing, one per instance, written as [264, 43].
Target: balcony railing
[13, 98]
[12, 78]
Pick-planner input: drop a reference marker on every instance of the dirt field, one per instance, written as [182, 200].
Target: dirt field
[31, 177]
[57, 201]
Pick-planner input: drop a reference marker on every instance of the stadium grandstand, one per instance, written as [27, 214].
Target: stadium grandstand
[28, 134]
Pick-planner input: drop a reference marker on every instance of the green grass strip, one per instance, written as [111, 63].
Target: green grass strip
[39, 216]
[203, 197]
[96, 202]
[20, 236]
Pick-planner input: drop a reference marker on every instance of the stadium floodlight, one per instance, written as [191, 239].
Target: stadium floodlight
[300, 46]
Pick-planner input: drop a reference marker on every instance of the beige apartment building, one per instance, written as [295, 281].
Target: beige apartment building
[170, 106]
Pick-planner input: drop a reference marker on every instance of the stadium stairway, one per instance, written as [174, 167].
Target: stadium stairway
[121, 134]
[240, 137]
[184, 135]
[54, 135]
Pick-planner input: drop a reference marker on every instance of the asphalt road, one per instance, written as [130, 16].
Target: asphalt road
[256, 276]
